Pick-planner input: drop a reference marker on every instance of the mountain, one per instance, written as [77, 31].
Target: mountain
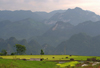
[22, 29]
[46, 15]
[63, 31]
[74, 16]
[48, 49]
[24, 14]
[19, 15]
[32, 46]
[80, 44]
[88, 27]
[56, 34]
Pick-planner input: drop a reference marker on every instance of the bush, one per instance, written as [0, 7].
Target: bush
[12, 53]
[72, 59]
[66, 57]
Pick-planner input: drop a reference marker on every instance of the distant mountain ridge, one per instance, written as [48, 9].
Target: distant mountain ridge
[74, 16]
[22, 29]
[62, 31]
[80, 44]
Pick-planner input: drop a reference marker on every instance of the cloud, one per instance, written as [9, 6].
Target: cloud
[49, 5]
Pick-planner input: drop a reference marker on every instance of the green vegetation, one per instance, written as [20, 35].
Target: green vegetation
[50, 57]
[20, 49]
[23, 61]
[42, 53]
[3, 52]
[9, 63]
[72, 64]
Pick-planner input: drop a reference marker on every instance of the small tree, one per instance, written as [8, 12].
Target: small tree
[20, 49]
[42, 53]
[4, 52]
[13, 53]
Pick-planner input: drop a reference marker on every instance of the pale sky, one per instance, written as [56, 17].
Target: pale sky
[50, 5]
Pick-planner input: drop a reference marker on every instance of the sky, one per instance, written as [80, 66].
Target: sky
[50, 5]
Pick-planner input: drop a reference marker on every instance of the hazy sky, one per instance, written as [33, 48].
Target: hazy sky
[50, 5]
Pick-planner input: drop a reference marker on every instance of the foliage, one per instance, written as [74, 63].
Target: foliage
[20, 49]
[7, 63]
[13, 53]
[4, 52]
[42, 53]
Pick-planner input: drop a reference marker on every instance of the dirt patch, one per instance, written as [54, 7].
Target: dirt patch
[34, 59]
[99, 67]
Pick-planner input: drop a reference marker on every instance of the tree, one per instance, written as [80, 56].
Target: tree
[20, 49]
[4, 52]
[42, 53]
[13, 53]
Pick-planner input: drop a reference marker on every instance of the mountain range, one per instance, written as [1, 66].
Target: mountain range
[80, 44]
[74, 16]
[51, 31]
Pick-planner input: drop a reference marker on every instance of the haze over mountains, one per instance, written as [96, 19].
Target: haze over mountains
[73, 28]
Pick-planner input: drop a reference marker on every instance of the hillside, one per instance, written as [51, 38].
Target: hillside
[80, 44]
[63, 31]
[22, 29]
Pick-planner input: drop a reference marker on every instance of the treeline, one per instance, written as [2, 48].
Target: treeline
[32, 46]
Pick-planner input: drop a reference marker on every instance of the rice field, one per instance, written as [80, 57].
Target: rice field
[50, 57]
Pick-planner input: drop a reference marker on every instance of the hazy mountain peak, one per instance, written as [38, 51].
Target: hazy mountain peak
[78, 8]
[74, 16]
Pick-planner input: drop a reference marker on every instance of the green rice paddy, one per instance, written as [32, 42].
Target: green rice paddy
[46, 62]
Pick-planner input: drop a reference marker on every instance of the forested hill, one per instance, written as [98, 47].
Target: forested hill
[32, 46]
[62, 31]
[80, 44]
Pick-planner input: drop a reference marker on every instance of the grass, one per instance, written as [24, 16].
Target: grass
[9, 63]
[71, 64]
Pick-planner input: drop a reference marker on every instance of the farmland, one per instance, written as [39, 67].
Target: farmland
[69, 60]
[50, 57]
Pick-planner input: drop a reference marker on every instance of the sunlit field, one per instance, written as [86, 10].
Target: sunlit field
[49, 57]
[46, 63]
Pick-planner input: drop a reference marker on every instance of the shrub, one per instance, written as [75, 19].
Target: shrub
[93, 59]
[53, 57]
[72, 59]
[70, 55]
[66, 57]
[88, 59]
[12, 53]
[41, 59]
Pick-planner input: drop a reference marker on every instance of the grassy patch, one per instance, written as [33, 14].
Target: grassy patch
[9, 63]
[71, 64]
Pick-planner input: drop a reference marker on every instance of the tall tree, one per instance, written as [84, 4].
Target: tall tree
[42, 53]
[20, 49]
